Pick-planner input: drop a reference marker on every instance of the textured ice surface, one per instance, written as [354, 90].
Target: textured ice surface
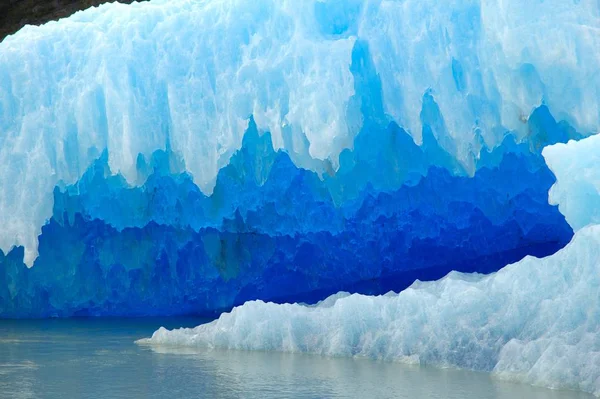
[148, 241]
[535, 321]
[188, 74]
[273, 231]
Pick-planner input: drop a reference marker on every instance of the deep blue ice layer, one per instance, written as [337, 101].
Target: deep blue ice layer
[394, 212]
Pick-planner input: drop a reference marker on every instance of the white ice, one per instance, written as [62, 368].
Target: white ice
[577, 190]
[129, 78]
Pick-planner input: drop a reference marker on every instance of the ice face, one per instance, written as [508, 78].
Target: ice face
[535, 321]
[187, 75]
[279, 224]
[274, 231]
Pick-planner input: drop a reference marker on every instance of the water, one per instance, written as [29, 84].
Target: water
[97, 358]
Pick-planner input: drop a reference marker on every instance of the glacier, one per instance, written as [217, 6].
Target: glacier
[535, 321]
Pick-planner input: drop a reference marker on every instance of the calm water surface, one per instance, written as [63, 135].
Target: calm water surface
[90, 358]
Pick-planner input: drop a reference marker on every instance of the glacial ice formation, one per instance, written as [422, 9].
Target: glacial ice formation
[187, 156]
[535, 321]
[186, 75]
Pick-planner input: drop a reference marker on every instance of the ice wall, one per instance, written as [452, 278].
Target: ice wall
[186, 75]
[274, 231]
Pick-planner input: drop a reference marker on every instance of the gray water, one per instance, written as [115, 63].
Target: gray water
[91, 358]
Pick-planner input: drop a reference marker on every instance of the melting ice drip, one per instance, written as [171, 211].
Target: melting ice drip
[536, 321]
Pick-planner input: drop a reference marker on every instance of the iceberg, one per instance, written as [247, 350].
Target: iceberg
[188, 156]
